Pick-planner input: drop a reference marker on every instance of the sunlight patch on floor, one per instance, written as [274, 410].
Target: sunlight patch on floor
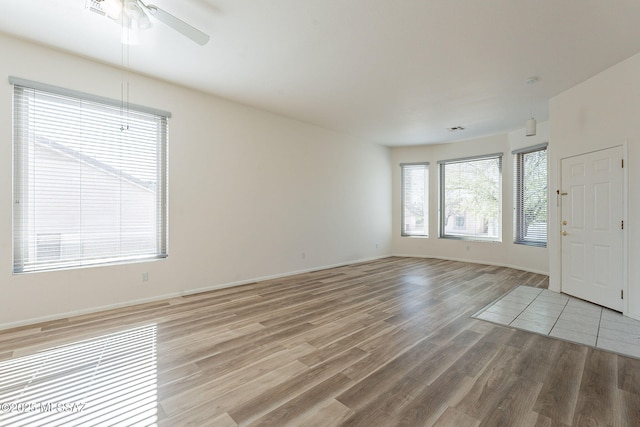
[109, 380]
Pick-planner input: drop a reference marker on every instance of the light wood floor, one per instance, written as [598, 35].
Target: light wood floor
[383, 343]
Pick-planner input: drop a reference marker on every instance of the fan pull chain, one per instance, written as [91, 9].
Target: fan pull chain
[124, 86]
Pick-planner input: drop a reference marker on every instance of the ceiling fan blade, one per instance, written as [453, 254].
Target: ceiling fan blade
[177, 24]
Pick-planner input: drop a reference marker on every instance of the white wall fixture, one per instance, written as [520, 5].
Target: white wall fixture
[531, 127]
[531, 123]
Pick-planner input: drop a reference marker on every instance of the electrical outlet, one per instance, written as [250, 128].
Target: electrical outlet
[376, 246]
[303, 255]
[145, 277]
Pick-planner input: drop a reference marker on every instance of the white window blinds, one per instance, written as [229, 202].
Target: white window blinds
[415, 184]
[90, 180]
[470, 198]
[530, 173]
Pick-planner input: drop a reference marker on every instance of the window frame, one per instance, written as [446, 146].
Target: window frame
[25, 233]
[519, 237]
[442, 200]
[403, 167]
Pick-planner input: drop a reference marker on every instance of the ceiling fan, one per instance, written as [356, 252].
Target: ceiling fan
[134, 15]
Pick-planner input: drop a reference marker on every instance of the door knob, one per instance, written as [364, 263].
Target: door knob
[564, 222]
[564, 233]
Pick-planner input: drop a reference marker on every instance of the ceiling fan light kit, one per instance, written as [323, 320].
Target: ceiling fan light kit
[134, 15]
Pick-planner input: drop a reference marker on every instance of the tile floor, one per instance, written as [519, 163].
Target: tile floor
[561, 316]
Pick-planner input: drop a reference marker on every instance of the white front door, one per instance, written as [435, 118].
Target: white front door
[592, 234]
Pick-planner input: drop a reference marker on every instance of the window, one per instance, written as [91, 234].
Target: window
[90, 180]
[415, 184]
[470, 198]
[530, 173]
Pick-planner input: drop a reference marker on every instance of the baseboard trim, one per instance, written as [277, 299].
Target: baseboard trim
[472, 261]
[58, 316]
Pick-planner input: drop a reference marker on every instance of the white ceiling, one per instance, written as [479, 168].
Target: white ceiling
[397, 72]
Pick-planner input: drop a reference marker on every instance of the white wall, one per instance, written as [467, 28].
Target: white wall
[250, 191]
[504, 253]
[601, 112]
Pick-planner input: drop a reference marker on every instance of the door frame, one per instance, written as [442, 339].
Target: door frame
[625, 214]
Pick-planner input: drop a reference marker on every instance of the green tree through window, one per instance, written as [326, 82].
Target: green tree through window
[471, 189]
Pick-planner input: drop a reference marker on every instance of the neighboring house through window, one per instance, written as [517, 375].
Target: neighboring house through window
[470, 198]
[90, 180]
[415, 185]
[530, 173]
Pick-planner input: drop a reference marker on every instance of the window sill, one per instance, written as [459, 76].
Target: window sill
[88, 264]
[470, 239]
[532, 244]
